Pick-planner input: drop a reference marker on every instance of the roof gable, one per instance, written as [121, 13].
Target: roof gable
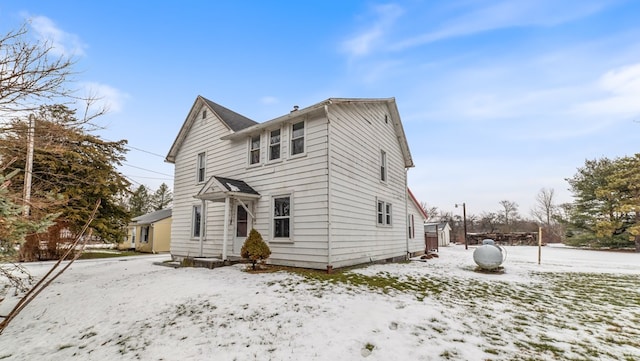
[390, 102]
[219, 188]
[152, 217]
[417, 204]
[232, 120]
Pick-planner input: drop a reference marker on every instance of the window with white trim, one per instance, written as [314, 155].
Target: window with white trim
[297, 138]
[383, 166]
[412, 228]
[274, 144]
[201, 167]
[282, 216]
[196, 221]
[254, 150]
[384, 213]
[144, 234]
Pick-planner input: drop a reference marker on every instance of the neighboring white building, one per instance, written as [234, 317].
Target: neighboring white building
[326, 185]
[441, 229]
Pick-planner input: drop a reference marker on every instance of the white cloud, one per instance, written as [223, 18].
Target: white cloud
[619, 94]
[364, 42]
[106, 96]
[497, 15]
[62, 43]
[268, 100]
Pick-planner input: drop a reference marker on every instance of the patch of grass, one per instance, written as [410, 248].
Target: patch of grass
[383, 282]
[492, 351]
[107, 254]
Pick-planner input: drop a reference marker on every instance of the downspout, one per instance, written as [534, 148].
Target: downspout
[203, 223]
[406, 211]
[225, 228]
[329, 193]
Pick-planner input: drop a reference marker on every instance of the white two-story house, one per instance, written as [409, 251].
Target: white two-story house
[326, 185]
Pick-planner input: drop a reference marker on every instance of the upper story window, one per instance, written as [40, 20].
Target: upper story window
[383, 166]
[274, 144]
[297, 138]
[204, 114]
[201, 165]
[254, 150]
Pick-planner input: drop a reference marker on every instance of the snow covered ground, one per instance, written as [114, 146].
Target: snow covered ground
[576, 305]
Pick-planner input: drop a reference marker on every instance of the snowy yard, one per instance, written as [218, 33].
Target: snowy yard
[576, 305]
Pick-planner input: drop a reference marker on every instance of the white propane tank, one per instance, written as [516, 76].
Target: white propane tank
[489, 256]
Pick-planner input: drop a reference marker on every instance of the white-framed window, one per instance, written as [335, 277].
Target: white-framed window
[383, 213]
[274, 144]
[297, 138]
[383, 166]
[281, 206]
[254, 150]
[196, 221]
[201, 165]
[412, 228]
[144, 234]
[204, 114]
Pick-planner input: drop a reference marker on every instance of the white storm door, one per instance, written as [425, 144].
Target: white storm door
[242, 227]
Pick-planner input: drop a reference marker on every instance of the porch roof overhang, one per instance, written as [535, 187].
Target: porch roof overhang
[217, 189]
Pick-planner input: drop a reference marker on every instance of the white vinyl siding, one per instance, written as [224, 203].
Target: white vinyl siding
[356, 186]
[303, 174]
[304, 177]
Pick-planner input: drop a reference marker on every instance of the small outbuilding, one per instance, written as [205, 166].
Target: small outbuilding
[150, 232]
[441, 230]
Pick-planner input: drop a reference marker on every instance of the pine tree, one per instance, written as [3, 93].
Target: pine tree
[140, 201]
[72, 170]
[162, 197]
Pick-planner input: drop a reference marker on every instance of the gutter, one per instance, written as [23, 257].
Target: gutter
[406, 211]
[329, 194]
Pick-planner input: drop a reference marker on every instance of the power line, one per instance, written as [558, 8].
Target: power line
[145, 151]
[139, 176]
[138, 149]
[148, 170]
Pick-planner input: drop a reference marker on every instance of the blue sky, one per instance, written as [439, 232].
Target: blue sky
[498, 98]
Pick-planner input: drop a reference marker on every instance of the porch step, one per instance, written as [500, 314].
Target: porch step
[204, 262]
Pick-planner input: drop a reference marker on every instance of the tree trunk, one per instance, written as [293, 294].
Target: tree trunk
[638, 243]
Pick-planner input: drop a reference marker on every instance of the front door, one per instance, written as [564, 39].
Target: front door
[242, 222]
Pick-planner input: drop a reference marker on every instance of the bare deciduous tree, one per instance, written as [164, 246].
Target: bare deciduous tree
[29, 75]
[509, 213]
[432, 212]
[544, 209]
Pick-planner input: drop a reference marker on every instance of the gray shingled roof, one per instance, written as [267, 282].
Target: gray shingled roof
[235, 185]
[234, 120]
[431, 227]
[153, 216]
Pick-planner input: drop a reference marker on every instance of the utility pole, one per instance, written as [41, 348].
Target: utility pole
[28, 168]
[464, 224]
